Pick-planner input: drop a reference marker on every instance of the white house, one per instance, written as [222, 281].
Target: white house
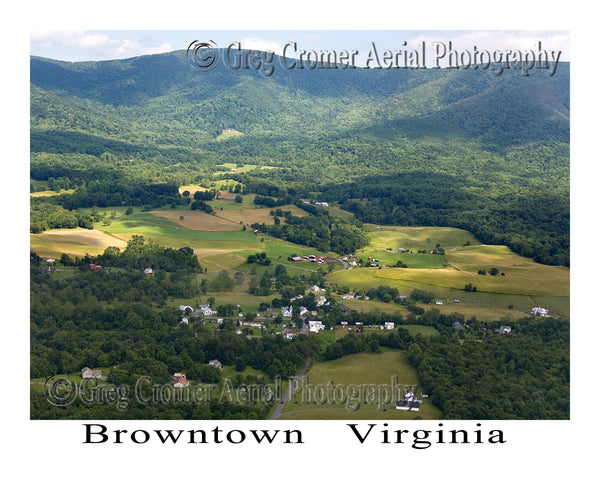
[409, 402]
[185, 321]
[87, 372]
[303, 311]
[286, 311]
[389, 325]
[539, 312]
[207, 311]
[289, 334]
[314, 326]
[215, 363]
[148, 271]
[321, 301]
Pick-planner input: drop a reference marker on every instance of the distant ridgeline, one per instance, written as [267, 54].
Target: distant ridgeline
[447, 147]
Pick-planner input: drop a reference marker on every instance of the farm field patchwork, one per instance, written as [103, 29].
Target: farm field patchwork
[220, 244]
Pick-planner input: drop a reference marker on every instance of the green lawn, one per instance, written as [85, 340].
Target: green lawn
[378, 372]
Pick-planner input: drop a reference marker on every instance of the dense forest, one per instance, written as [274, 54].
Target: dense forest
[422, 147]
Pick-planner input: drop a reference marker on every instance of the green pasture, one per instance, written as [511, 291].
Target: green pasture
[418, 238]
[411, 260]
[170, 234]
[354, 370]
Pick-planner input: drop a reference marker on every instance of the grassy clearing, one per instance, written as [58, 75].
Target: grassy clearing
[50, 193]
[416, 238]
[412, 260]
[170, 233]
[353, 370]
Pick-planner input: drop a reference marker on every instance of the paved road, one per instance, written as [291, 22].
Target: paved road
[287, 394]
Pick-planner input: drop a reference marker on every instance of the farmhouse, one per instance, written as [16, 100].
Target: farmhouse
[94, 267]
[321, 301]
[87, 372]
[389, 325]
[49, 269]
[289, 334]
[409, 402]
[539, 312]
[148, 271]
[206, 311]
[179, 380]
[215, 363]
[252, 324]
[295, 259]
[314, 326]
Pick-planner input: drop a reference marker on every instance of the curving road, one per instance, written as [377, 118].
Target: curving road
[277, 413]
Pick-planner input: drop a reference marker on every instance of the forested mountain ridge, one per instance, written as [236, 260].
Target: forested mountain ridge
[494, 148]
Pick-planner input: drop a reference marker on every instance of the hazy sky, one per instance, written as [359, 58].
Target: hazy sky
[79, 45]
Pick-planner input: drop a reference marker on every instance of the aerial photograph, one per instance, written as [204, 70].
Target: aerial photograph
[300, 225]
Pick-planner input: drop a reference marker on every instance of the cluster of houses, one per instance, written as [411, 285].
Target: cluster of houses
[318, 204]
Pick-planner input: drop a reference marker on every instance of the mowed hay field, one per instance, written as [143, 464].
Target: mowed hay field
[524, 285]
[72, 242]
[195, 220]
[252, 215]
[416, 238]
[369, 369]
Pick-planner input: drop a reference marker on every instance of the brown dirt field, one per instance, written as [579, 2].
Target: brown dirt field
[258, 215]
[197, 188]
[194, 220]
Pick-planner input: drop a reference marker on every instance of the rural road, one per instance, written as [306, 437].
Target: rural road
[287, 394]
